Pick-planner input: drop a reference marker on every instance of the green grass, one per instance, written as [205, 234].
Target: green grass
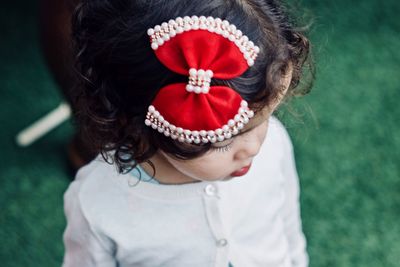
[345, 136]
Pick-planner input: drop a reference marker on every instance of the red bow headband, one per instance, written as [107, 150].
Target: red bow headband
[202, 48]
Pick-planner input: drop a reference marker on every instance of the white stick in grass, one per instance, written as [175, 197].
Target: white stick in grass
[44, 125]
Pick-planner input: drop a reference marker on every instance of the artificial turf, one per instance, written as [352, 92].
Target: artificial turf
[345, 134]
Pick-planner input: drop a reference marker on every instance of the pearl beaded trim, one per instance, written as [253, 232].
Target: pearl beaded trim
[164, 32]
[199, 81]
[155, 120]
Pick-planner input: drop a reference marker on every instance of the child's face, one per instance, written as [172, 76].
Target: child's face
[228, 159]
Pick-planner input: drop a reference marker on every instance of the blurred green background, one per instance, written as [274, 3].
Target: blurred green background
[345, 133]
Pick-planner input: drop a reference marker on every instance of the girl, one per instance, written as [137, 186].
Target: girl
[177, 96]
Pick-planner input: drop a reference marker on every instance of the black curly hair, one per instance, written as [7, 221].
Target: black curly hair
[120, 75]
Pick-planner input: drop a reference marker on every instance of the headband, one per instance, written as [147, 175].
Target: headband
[201, 48]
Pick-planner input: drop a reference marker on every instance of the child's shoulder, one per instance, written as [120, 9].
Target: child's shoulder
[93, 188]
[278, 138]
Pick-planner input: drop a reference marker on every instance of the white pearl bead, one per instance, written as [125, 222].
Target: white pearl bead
[179, 130]
[179, 30]
[154, 126]
[179, 20]
[203, 133]
[225, 34]
[166, 37]
[250, 114]
[150, 32]
[166, 133]
[231, 38]
[245, 120]
[240, 125]
[157, 28]
[164, 25]
[225, 128]
[239, 33]
[195, 133]
[213, 139]
[201, 73]
[151, 108]
[210, 28]
[237, 118]
[161, 119]
[197, 141]
[235, 131]
[251, 44]
[171, 22]
[250, 62]
[203, 26]
[166, 123]
[186, 18]
[195, 26]
[188, 140]
[243, 103]
[189, 88]
[192, 72]
[160, 41]
[154, 46]
[160, 130]
[197, 89]
[218, 131]
[241, 110]
[187, 132]
[225, 23]
[181, 139]
[245, 38]
[227, 135]
[173, 136]
[172, 127]
[231, 123]
[256, 49]
[147, 122]
[209, 73]
[204, 140]
[187, 27]
[156, 114]
[202, 18]
[220, 138]
[218, 20]
[172, 33]
[195, 18]
[211, 133]
[205, 90]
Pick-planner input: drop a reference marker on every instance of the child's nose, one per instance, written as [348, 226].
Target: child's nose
[248, 149]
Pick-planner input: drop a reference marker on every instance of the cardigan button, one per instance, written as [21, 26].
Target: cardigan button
[222, 242]
[210, 190]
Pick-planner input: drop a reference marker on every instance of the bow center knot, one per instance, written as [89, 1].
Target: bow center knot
[199, 81]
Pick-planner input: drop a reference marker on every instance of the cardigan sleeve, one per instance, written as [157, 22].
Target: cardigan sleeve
[291, 211]
[83, 245]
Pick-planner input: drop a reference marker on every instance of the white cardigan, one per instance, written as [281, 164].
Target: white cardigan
[248, 221]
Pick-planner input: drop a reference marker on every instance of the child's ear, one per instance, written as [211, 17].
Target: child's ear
[285, 83]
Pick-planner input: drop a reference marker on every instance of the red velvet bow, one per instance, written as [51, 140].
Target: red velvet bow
[226, 53]
[200, 49]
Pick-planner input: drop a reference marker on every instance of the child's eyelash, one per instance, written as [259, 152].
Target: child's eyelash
[223, 149]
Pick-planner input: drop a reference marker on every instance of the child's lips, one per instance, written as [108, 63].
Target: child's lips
[241, 171]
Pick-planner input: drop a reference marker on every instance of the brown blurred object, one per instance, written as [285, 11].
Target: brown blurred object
[55, 39]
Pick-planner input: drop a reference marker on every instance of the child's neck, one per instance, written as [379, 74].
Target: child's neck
[165, 173]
